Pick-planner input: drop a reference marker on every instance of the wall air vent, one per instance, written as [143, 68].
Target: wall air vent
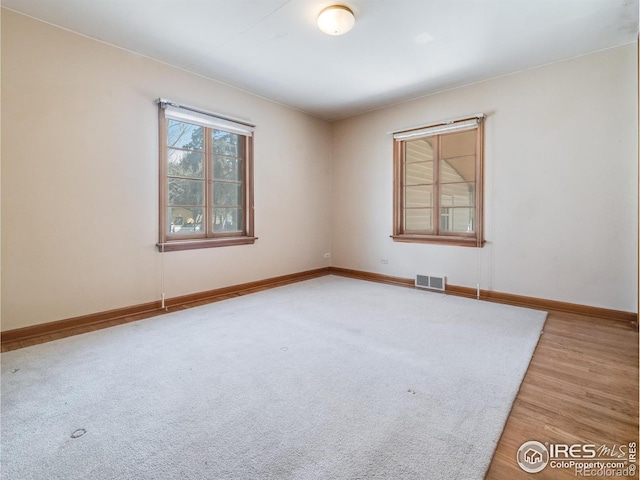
[430, 282]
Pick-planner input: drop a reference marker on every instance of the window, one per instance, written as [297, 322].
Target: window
[438, 183]
[206, 179]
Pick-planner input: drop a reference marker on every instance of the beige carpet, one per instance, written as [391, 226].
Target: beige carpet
[330, 378]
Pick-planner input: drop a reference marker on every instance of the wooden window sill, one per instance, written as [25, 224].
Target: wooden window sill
[439, 240]
[175, 245]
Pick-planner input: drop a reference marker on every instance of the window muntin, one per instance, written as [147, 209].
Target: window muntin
[438, 184]
[206, 181]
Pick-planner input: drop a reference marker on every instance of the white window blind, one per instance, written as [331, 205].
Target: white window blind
[187, 114]
[449, 127]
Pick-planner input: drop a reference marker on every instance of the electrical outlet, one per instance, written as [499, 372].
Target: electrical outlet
[384, 261]
[327, 255]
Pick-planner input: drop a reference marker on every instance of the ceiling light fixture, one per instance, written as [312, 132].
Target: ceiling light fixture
[336, 20]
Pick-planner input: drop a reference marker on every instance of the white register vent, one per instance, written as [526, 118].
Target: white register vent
[431, 282]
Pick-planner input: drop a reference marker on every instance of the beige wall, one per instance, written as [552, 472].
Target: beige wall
[561, 184]
[80, 180]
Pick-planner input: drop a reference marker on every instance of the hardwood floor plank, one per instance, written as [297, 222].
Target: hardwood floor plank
[581, 387]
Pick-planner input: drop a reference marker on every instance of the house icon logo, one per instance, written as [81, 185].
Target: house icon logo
[532, 456]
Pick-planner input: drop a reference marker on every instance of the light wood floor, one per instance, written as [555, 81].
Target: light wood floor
[581, 387]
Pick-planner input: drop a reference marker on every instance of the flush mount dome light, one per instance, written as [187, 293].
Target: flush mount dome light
[336, 20]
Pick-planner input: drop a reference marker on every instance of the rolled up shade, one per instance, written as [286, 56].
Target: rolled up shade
[450, 127]
[187, 114]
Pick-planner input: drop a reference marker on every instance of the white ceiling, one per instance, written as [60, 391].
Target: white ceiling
[398, 49]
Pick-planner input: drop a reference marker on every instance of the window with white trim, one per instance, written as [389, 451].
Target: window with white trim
[206, 179]
[438, 183]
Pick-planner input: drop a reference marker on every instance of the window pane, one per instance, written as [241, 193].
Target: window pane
[183, 163]
[418, 150]
[227, 194]
[418, 219]
[185, 221]
[227, 168]
[460, 169]
[227, 220]
[184, 135]
[457, 194]
[186, 192]
[225, 143]
[457, 219]
[458, 144]
[421, 196]
[418, 173]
